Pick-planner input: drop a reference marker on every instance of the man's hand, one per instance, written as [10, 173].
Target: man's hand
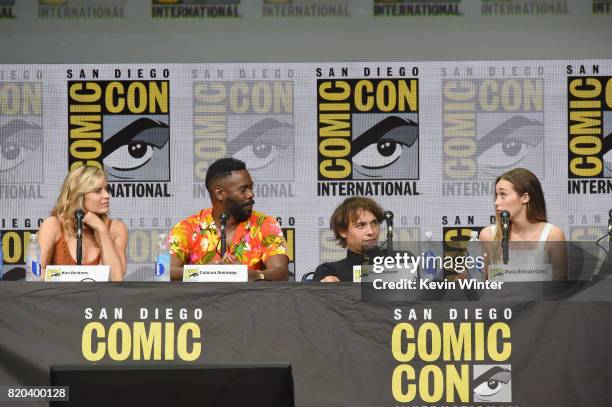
[227, 259]
[330, 279]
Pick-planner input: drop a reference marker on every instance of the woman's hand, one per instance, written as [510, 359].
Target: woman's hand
[93, 221]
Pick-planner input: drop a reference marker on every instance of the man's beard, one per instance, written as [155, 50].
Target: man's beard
[238, 211]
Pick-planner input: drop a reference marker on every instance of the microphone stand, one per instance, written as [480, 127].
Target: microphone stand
[223, 240]
[505, 250]
[505, 215]
[79, 238]
[224, 218]
[389, 221]
[79, 250]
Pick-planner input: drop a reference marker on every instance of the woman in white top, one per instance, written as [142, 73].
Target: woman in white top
[519, 192]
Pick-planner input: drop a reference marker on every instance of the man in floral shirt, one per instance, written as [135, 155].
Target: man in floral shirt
[253, 238]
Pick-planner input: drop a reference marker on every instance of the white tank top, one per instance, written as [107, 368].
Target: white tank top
[543, 236]
[524, 264]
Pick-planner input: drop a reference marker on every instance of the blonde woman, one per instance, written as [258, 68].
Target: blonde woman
[104, 240]
[519, 192]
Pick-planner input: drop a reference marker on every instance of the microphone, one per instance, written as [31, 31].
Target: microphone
[224, 218]
[79, 214]
[505, 218]
[389, 217]
[389, 221]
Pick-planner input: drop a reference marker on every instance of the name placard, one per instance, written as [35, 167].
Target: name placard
[215, 273]
[515, 273]
[357, 274]
[77, 273]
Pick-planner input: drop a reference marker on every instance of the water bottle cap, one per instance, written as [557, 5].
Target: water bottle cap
[428, 235]
[163, 236]
[33, 237]
[474, 234]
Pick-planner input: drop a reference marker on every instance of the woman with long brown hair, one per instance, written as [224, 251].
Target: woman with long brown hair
[104, 240]
[519, 192]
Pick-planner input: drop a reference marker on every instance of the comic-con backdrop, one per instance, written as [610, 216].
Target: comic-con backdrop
[425, 139]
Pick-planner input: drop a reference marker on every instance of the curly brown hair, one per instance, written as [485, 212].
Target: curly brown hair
[348, 211]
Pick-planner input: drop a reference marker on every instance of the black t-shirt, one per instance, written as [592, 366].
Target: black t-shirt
[342, 269]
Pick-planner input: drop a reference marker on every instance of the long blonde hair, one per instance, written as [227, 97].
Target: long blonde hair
[77, 183]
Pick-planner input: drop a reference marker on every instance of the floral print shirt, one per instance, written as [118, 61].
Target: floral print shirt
[196, 240]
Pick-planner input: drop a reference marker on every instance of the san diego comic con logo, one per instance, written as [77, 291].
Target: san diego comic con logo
[492, 383]
[123, 127]
[523, 7]
[589, 132]
[142, 334]
[14, 245]
[490, 125]
[251, 120]
[59, 9]
[289, 234]
[195, 8]
[22, 156]
[306, 8]
[411, 8]
[586, 227]
[368, 132]
[455, 361]
[455, 238]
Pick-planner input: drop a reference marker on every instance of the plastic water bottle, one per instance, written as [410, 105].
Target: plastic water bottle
[430, 269]
[33, 268]
[162, 261]
[474, 250]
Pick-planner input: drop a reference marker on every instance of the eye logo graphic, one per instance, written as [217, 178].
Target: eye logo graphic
[20, 152]
[490, 126]
[122, 127]
[249, 120]
[387, 150]
[138, 151]
[517, 142]
[492, 383]
[266, 147]
[368, 129]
